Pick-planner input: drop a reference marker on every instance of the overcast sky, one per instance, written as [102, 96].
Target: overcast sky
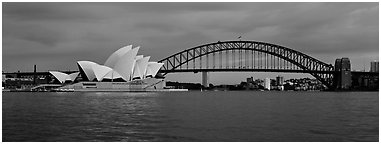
[56, 35]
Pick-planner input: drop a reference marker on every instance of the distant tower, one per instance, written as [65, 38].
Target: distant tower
[267, 83]
[343, 76]
[374, 66]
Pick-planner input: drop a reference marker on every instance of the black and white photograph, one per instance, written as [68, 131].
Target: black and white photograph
[184, 71]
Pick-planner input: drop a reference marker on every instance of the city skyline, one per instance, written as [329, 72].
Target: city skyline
[56, 35]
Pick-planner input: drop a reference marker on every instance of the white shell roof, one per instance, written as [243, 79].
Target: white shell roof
[140, 67]
[87, 67]
[100, 71]
[112, 75]
[62, 77]
[124, 65]
[153, 68]
[134, 63]
[73, 76]
[114, 57]
[136, 73]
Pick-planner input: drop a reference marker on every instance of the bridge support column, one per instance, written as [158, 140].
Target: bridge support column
[205, 79]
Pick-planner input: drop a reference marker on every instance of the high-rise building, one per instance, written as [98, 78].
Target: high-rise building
[374, 66]
[279, 80]
[267, 83]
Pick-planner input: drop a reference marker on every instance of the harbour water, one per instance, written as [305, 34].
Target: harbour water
[191, 116]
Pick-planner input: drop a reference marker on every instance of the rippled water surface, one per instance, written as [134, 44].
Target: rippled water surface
[191, 116]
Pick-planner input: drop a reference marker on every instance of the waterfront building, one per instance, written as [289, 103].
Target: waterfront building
[124, 70]
[267, 84]
[249, 80]
[279, 80]
[374, 66]
[122, 66]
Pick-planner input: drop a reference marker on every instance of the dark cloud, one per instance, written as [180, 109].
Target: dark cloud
[33, 32]
[165, 7]
[161, 27]
[55, 35]
[50, 11]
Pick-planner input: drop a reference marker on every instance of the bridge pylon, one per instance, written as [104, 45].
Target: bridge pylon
[342, 77]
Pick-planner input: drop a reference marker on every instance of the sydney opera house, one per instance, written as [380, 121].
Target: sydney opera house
[124, 70]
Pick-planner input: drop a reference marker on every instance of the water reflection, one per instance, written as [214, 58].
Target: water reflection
[190, 116]
[140, 94]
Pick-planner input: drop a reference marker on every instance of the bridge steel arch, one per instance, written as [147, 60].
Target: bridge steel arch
[296, 61]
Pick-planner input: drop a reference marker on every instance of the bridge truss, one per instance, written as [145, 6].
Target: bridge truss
[247, 56]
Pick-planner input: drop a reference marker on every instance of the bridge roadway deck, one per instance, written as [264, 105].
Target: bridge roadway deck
[244, 70]
[210, 70]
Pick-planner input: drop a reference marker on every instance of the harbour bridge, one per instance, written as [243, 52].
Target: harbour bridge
[247, 56]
